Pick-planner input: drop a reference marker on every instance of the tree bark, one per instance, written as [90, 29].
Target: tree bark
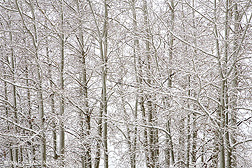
[234, 96]
[170, 159]
[194, 117]
[104, 53]
[14, 93]
[61, 78]
[85, 118]
[52, 101]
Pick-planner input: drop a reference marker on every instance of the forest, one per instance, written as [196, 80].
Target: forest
[126, 83]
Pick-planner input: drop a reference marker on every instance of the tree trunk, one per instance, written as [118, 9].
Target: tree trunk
[218, 139]
[14, 93]
[153, 135]
[7, 110]
[194, 124]
[170, 159]
[234, 96]
[104, 53]
[99, 141]
[61, 76]
[188, 123]
[39, 87]
[30, 121]
[135, 55]
[52, 102]
[85, 118]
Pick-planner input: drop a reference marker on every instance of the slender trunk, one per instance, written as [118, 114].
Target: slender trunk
[188, 143]
[203, 151]
[194, 126]
[153, 135]
[139, 74]
[61, 76]
[135, 49]
[221, 140]
[14, 103]
[7, 115]
[188, 137]
[145, 140]
[181, 152]
[218, 139]
[194, 141]
[104, 52]
[99, 141]
[14, 92]
[42, 119]
[170, 153]
[7, 112]
[187, 124]
[224, 101]
[39, 86]
[102, 119]
[234, 85]
[134, 143]
[86, 117]
[32, 148]
[52, 102]
[217, 136]
[170, 142]
[130, 139]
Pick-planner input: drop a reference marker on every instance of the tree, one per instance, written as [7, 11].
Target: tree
[125, 83]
